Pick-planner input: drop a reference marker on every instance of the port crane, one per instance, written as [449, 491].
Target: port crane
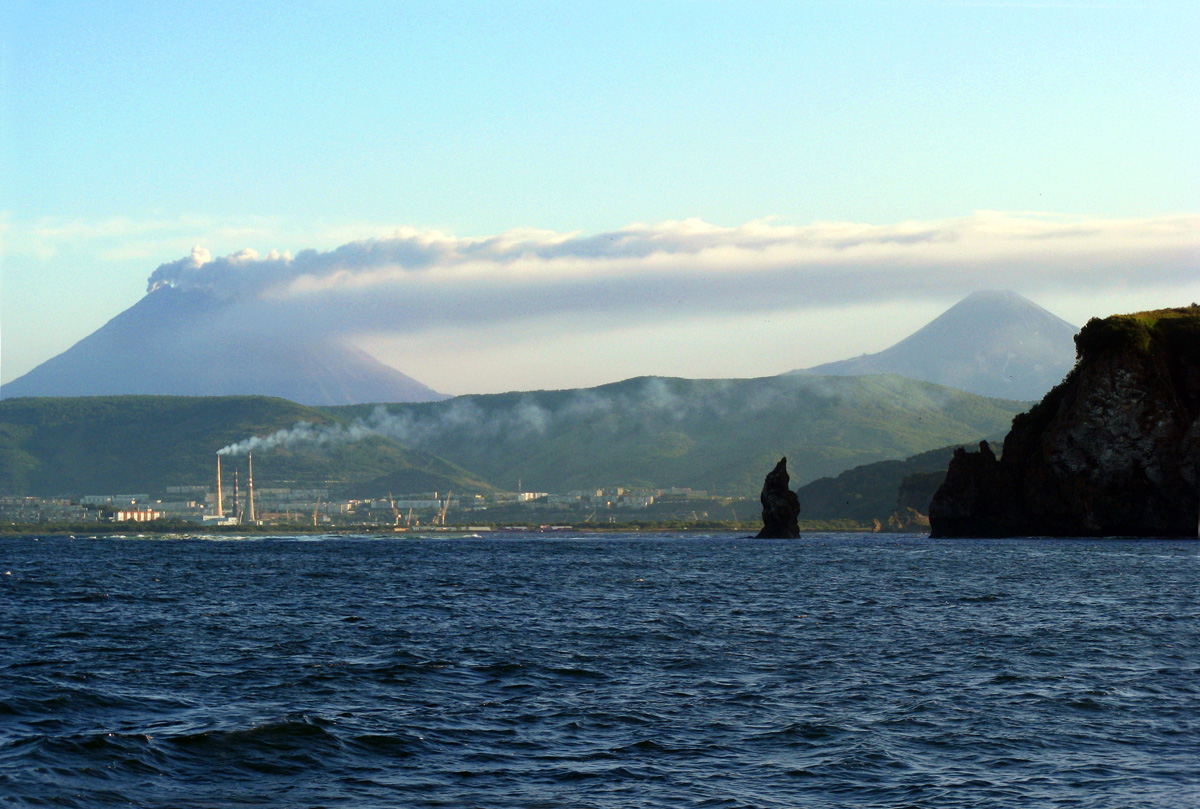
[395, 512]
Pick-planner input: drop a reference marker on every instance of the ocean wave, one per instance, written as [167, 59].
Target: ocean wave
[512, 673]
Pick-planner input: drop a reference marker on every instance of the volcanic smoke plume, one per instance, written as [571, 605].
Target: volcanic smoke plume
[286, 325]
[417, 280]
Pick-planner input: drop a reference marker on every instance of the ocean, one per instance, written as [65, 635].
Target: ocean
[617, 670]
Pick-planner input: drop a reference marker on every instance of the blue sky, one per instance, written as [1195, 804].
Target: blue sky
[135, 131]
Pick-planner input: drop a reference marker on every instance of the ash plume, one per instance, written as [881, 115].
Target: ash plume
[418, 280]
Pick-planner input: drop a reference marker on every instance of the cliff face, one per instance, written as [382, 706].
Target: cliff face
[1114, 450]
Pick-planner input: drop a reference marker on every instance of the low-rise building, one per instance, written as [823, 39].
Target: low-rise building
[136, 515]
[29, 510]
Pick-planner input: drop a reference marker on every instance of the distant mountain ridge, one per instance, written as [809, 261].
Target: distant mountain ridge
[187, 342]
[993, 343]
[721, 434]
[716, 435]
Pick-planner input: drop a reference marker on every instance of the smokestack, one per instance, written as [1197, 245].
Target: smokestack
[250, 488]
[220, 502]
[237, 498]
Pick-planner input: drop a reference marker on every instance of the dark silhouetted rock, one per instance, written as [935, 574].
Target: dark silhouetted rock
[974, 498]
[1112, 451]
[781, 506]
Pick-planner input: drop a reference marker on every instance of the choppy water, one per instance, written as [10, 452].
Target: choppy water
[662, 671]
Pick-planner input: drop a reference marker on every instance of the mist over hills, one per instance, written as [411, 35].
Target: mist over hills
[190, 342]
[115, 444]
[997, 344]
[703, 434]
[656, 432]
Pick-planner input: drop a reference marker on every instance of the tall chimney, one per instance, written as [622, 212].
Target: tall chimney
[220, 502]
[250, 488]
[237, 498]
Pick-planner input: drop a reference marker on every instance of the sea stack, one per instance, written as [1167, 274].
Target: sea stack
[1112, 451]
[781, 506]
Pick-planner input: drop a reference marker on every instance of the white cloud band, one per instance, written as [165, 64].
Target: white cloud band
[415, 280]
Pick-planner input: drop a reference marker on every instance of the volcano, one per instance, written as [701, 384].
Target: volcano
[189, 342]
[994, 343]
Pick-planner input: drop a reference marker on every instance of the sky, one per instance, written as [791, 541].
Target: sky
[542, 195]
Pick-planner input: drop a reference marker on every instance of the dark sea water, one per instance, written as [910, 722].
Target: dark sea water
[615, 671]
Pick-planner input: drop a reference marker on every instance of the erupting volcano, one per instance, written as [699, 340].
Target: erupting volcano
[192, 342]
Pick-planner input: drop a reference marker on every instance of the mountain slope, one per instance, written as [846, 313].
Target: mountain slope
[114, 444]
[704, 434]
[997, 344]
[186, 342]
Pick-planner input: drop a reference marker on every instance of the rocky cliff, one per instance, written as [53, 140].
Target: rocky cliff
[1114, 450]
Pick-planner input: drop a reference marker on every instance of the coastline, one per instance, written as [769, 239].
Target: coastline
[173, 530]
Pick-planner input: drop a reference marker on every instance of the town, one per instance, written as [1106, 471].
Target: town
[319, 508]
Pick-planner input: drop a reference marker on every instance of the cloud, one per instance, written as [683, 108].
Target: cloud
[415, 280]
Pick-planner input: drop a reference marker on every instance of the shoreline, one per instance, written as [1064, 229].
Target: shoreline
[174, 530]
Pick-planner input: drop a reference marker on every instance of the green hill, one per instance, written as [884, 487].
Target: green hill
[717, 435]
[110, 444]
[873, 491]
[720, 435]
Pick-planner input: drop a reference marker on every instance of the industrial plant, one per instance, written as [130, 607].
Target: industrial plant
[232, 499]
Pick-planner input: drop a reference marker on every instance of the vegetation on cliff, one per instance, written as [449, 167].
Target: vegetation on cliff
[1113, 450]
